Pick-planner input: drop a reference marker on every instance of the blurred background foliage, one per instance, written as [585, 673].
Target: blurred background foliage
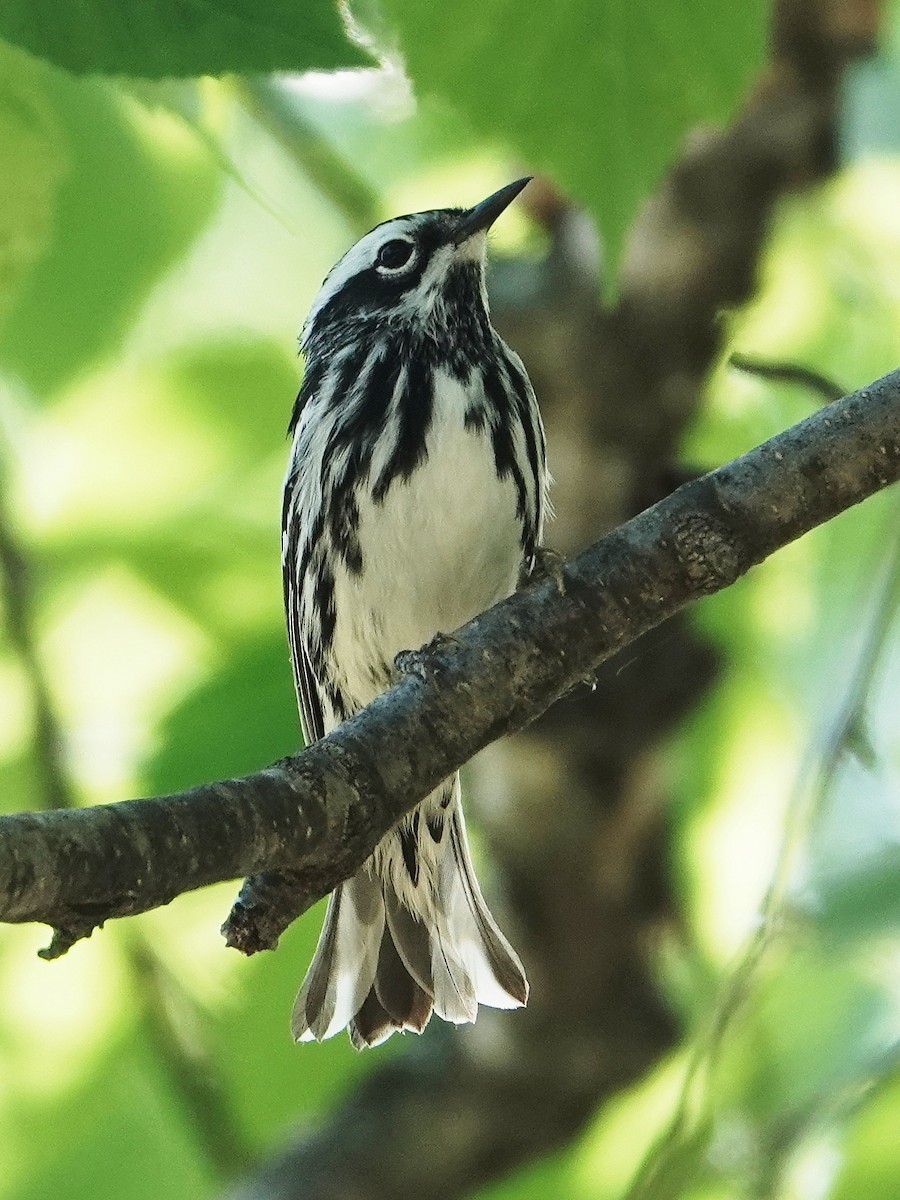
[160, 241]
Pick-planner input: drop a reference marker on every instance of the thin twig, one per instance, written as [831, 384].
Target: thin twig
[270, 105]
[788, 372]
[55, 788]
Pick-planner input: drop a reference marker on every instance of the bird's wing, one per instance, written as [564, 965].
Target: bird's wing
[312, 717]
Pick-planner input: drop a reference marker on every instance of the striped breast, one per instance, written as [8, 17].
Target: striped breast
[437, 544]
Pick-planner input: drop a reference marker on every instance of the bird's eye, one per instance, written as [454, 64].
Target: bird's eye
[394, 254]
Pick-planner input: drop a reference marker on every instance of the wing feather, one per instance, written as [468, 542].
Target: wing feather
[312, 716]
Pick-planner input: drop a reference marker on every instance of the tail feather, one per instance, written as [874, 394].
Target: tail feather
[410, 933]
[454, 993]
[372, 1025]
[401, 997]
[343, 968]
[495, 968]
[411, 939]
[395, 1001]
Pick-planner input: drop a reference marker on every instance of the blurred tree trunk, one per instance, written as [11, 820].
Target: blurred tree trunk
[574, 809]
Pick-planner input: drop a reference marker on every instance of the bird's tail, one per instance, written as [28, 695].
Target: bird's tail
[408, 934]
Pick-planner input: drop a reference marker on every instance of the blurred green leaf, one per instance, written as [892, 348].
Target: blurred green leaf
[120, 1134]
[686, 1162]
[182, 37]
[797, 1053]
[870, 1164]
[242, 388]
[242, 719]
[33, 159]
[597, 95]
[272, 1082]
[863, 903]
[138, 191]
[549, 1176]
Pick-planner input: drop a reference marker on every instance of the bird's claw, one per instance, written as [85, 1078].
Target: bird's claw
[415, 662]
[546, 564]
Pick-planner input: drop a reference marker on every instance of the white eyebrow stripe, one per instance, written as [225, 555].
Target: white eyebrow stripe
[358, 258]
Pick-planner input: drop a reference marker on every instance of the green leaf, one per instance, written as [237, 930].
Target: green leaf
[33, 159]
[870, 1150]
[864, 902]
[160, 38]
[242, 719]
[598, 94]
[138, 190]
[121, 1133]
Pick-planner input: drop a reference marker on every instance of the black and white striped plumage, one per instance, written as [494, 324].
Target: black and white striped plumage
[414, 496]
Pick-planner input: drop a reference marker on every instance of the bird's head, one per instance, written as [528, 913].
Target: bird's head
[424, 270]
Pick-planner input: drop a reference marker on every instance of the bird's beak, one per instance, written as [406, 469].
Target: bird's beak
[483, 215]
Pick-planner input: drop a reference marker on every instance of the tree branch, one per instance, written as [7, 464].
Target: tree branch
[321, 812]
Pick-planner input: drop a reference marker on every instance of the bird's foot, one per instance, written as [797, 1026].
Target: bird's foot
[415, 662]
[546, 564]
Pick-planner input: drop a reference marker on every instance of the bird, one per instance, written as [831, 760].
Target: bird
[414, 498]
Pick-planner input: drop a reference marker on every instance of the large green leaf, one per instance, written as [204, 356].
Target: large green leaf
[596, 93]
[134, 197]
[159, 38]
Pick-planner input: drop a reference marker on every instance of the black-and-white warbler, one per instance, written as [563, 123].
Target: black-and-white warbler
[415, 495]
